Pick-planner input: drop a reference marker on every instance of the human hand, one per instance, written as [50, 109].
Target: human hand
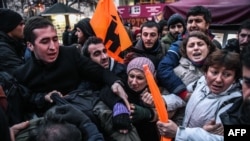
[70, 114]
[147, 98]
[118, 89]
[15, 129]
[48, 96]
[167, 129]
[214, 128]
[140, 113]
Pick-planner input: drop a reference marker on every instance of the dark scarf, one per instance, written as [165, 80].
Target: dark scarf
[134, 96]
[198, 64]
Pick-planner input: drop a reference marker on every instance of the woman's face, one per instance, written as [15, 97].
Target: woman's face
[219, 78]
[136, 80]
[80, 36]
[197, 49]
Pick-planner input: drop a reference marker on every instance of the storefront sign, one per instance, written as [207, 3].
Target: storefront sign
[138, 14]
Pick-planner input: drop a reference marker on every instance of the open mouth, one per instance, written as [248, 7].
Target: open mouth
[197, 54]
[216, 87]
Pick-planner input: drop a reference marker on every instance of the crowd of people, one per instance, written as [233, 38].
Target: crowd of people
[76, 91]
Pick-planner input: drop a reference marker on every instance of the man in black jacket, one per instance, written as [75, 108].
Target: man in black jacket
[54, 69]
[95, 50]
[238, 114]
[11, 40]
[66, 36]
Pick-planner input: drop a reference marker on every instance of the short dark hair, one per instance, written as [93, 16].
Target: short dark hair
[90, 40]
[224, 58]
[244, 25]
[232, 45]
[34, 23]
[162, 23]
[55, 131]
[245, 59]
[199, 35]
[200, 10]
[150, 24]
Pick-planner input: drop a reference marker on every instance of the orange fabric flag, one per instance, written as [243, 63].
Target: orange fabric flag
[107, 25]
[158, 100]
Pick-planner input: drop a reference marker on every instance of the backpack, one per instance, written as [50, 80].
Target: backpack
[17, 98]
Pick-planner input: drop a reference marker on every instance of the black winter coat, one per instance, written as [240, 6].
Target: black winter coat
[11, 53]
[238, 114]
[64, 75]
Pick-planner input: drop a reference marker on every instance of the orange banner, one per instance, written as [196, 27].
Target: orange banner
[158, 100]
[107, 25]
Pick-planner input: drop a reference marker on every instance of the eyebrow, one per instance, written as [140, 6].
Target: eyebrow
[246, 78]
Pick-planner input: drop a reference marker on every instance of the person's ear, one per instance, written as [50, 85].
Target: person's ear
[207, 25]
[30, 46]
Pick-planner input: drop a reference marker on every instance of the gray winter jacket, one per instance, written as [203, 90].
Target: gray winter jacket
[202, 107]
[187, 71]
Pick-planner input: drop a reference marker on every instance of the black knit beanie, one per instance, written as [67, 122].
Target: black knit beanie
[86, 28]
[9, 20]
[176, 18]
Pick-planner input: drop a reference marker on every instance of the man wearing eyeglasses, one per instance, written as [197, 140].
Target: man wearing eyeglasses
[239, 114]
[245, 59]
[11, 40]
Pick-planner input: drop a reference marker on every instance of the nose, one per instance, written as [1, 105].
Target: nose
[219, 78]
[104, 55]
[133, 81]
[52, 45]
[193, 24]
[176, 29]
[148, 37]
[196, 47]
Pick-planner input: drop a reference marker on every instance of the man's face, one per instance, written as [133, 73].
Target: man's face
[244, 38]
[246, 83]
[197, 23]
[46, 45]
[138, 36]
[17, 33]
[176, 29]
[149, 36]
[80, 36]
[98, 54]
[164, 31]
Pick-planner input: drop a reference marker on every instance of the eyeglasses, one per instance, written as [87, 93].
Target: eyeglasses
[245, 81]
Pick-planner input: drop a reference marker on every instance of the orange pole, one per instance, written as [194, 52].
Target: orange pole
[158, 100]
